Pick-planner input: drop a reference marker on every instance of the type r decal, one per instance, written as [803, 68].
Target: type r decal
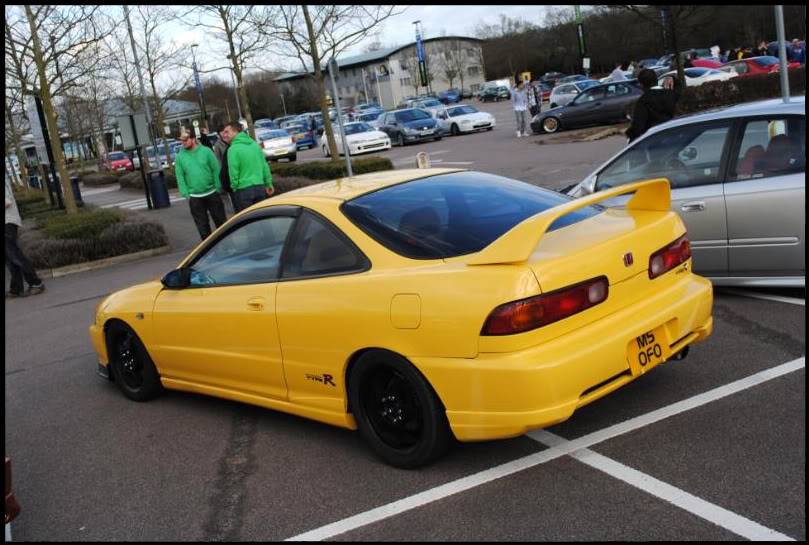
[325, 379]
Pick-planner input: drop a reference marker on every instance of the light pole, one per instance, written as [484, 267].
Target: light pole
[198, 84]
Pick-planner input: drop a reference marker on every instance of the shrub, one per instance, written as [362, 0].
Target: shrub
[27, 196]
[84, 225]
[94, 179]
[329, 170]
[119, 238]
[718, 94]
[39, 209]
[133, 180]
[288, 183]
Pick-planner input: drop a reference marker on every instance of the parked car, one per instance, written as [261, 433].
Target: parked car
[280, 120]
[449, 96]
[746, 213]
[360, 138]
[410, 125]
[571, 79]
[545, 88]
[304, 136]
[495, 94]
[455, 120]
[756, 65]
[628, 74]
[565, 92]
[118, 161]
[361, 108]
[369, 116]
[466, 93]
[706, 63]
[483, 337]
[430, 104]
[552, 77]
[175, 148]
[605, 103]
[277, 144]
[265, 124]
[648, 63]
[375, 122]
[694, 77]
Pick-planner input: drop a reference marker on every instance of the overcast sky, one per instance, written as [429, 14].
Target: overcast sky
[399, 30]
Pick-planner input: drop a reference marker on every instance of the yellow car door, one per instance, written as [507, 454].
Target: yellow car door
[220, 331]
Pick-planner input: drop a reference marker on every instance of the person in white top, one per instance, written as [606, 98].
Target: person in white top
[618, 73]
[519, 101]
[18, 265]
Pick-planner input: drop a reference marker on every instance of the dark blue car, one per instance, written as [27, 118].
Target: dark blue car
[449, 96]
[410, 125]
[304, 137]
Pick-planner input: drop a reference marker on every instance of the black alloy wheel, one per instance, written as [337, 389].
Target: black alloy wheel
[396, 410]
[454, 130]
[132, 368]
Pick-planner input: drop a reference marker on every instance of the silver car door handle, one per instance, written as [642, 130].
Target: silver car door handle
[696, 206]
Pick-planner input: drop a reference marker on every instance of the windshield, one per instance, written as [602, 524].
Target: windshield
[582, 85]
[370, 117]
[695, 72]
[411, 115]
[357, 128]
[431, 103]
[117, 156]
[462, 110]
[766, 61]
[452, 214]
[296, 128]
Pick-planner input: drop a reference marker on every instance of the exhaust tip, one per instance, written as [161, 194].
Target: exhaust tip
[681, 354]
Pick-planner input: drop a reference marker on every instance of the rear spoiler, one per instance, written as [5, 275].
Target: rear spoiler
[517, 245]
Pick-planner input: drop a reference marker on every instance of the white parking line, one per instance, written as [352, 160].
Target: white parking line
[723, 518]
[90, 192]
[532, 460]
[756, 295]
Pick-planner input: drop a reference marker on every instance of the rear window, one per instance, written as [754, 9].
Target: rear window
[117, 156]
[268, 135]
[450, 215]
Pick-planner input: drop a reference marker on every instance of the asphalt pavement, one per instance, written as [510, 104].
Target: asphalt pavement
[708, 448]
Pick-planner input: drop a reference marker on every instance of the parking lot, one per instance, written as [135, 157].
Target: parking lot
[708, 448]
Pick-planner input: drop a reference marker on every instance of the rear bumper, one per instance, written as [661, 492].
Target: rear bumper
[506, 394]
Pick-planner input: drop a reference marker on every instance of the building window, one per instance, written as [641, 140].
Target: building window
[403, 64]
[473, 70]
[475, 87]
[471, 53]
[404, 82]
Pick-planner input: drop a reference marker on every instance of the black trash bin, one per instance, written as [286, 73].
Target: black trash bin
[74, 185]
[158, 189]
[33, 182]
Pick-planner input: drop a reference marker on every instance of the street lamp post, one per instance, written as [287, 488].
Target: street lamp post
[198, 84]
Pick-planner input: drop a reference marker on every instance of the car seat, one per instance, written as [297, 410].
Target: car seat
[748, 164]
[781, 155]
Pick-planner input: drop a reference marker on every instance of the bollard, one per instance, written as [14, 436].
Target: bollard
[422, 159]
[74, 184]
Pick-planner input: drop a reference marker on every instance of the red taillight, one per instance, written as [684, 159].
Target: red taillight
[669, 257]
[534, 312]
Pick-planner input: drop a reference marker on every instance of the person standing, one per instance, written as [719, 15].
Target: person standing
[656, 105]
[18, 265]
[796, 52]
[618, 73]
[197, 173]
[519, 101]
[249, 172]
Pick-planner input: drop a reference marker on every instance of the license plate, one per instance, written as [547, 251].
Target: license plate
[647, 350]
[425, 133]
[279, 151]
[301, 136]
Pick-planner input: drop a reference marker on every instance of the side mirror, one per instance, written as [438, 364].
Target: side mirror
[177, 279]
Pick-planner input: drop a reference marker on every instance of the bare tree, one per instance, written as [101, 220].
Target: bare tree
[318, 33]
[162, 60]
[237, 27]
[444, 57]
[18, 81]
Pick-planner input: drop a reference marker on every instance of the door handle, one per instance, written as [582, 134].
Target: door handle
[255, 303]
[696, 206]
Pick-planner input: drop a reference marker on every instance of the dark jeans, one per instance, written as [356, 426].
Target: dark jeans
[243, 198]
[201, 206]
[17, 263]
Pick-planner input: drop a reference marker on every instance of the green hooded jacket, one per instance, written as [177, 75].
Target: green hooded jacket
[246, 164]
[197, 171]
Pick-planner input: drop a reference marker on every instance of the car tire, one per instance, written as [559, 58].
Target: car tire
[130, 364]
[437, 138]
[396, 410]
[550, 125]
[400, 141]
[293, 157]
[454, 130]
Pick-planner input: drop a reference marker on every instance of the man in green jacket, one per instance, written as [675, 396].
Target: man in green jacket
[250, 177]
[197, 173]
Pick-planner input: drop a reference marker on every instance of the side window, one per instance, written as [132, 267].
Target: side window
[590, 95]
[621, 89]
[318, 250]
[389, 119]
[771, 147]
[688, 156]
[249, 254]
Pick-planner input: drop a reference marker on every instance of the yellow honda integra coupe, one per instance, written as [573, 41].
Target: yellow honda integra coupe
[417, 305]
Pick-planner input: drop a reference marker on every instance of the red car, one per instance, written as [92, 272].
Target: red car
[118, 161]
[706, 63]
[756, 65]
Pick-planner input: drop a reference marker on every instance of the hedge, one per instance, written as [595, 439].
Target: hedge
[95, 234]
[329, 170]
[95, 179]
[133, 180]
[719, 94]
[87, 224]
[289, 183]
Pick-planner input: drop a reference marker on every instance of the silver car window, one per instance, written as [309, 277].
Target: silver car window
[688, 156]
[771, 147]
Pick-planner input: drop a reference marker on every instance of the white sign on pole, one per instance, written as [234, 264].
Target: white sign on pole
[586, 62]
[36, 130]
[128, 136]
[195, 123]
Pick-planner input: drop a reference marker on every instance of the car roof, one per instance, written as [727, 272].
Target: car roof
[760, 107]
[343, 189]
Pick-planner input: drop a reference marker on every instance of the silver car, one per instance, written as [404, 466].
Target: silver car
[562, 94]
[738, 179]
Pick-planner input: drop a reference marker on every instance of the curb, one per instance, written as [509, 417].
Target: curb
[100, 263]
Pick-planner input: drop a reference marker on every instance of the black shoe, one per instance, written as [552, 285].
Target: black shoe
[14, 295]
[34, 290]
